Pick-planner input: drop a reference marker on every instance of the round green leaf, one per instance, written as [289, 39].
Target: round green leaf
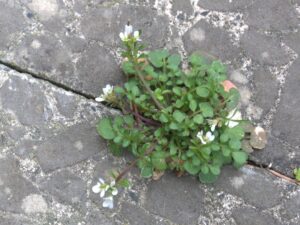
[105, 129]
[207, 178]
[239, 157]
[190, 168]
[198, 119]
[202, 92]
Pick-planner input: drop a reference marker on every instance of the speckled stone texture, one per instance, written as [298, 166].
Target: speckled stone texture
[57, 55]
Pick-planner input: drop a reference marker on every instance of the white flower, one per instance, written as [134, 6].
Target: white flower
[136, 35]
[127, 31]
[108, 202]
[213, 124]
[114, 191]
[101, 187]
[232, 117]
[107, 90]
[208, 137]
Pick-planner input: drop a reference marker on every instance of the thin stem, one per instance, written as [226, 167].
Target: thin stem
[132, 164]
[157, 103]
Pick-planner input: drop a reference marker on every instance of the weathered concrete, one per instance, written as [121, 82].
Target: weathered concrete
[50, 153]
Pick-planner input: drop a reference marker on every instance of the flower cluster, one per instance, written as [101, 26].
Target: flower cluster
[128, 31]
[106, 189]
[108, 95]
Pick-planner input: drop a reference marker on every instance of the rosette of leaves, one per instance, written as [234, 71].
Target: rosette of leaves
[165, 107]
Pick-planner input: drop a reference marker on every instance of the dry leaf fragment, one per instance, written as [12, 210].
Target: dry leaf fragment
[258, 139]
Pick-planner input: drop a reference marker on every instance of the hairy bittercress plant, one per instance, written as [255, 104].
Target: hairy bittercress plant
[174, 119]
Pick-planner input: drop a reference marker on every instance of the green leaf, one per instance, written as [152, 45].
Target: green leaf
[197, 60]
[129, 120]
[177, 91]
[214, 169]
[235, 144]
[147, 172]
[163, 118]
[193, 105]
[179, 116]
[204, 169]
[173, 126]
[174, 60]
[207, 178]
[115, 149]
[224, 138]
[198, 119]
[128, 67]
[190, 168]
[158, 160]
[124, 183]
[236, 132]
[233, 100]
[173, 148]
[202, 92]
[239, 157]
[157, 57]
[105, 129]
[206, 109]
[196, 161]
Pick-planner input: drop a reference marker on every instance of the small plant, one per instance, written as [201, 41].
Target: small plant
[174, 119]
[297, 174]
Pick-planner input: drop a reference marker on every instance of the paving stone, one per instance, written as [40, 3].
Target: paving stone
[292, 205]
[292, 40]
[266, 89]
[12, 23]
[77, 143]
[137, 216]
[14, 221]
[67, 188]
[183, 8]
[181, 205]
[263, 49]
[283, 158]
[206, 38]
[248, 216]
[253, 186]
[225, 5]
[286, 121]
[14, 187]
[154, 27]
[271, 15]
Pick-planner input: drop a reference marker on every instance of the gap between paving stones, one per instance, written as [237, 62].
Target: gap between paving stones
[269, 168]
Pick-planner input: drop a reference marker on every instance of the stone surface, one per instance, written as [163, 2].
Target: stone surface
[11, 196]
[248, 216]
[182, 204]
[225, 5]
[210, 40]
[266, 89]
[263, 49]
[286, 120]
[272, 15]
[51, 155]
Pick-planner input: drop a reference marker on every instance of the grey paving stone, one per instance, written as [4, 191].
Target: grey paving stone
[14, 221]
[67, 188]
[292, 40]
[280, 156]
[271, 15]
[209, 39]
[14, 187]
[77, 143]
[179, 199]
[292, 205]
[225, 5]
[286, 121]
[266, 89]
[182, 9]
[248, 216]
[253, 186]
[263, 49]
[154, 27]
[12, 23]
[137, 216]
